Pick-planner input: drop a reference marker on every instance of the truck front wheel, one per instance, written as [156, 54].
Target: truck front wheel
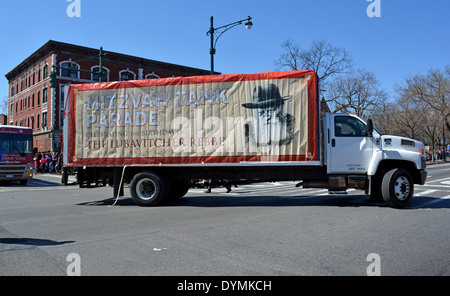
[148, 189]
[397, 188]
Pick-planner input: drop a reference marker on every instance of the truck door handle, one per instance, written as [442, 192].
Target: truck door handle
[333, 143]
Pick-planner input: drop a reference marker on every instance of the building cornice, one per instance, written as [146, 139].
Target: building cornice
[112, 57]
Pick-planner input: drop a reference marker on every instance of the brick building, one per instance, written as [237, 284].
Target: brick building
[33, 103]
[3, 119]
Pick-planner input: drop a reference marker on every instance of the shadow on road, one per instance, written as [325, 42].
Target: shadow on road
[109, 202]
[224, 200]
[32, 242]
[30, 183]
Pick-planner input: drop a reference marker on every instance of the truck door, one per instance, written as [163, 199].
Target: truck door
[349, 149]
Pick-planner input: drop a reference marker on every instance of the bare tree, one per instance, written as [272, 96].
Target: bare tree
[357, 92]
[432, 89]
[322, 57]
[291, 58]
[410, 118]
[4, 105]
[432, 129]
[383, 117]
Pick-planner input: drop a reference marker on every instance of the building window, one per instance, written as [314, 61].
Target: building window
[96, 77]
[45, 72]
[127, 75]
[152, 76]
[61, 96]
[61, 118]
[44, 95]
[68, 72]
[38, 120]
[39, 98]
[12, 90]
[44, 120]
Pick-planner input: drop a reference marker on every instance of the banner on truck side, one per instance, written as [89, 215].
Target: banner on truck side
[263, 117]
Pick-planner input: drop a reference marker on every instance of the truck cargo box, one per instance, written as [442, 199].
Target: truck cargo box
[219, 120]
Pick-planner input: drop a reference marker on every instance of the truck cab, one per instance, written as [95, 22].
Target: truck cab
[358, 155]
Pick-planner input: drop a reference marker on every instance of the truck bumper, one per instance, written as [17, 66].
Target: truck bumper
[423, 177]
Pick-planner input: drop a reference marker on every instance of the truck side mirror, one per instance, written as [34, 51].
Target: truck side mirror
[369, 127]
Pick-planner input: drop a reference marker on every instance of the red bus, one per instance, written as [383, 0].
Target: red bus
[16, 153]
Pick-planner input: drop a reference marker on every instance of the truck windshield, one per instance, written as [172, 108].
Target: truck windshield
[16, 143]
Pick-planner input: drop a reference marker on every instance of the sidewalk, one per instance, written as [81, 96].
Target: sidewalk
[71, 178]
[438, 162]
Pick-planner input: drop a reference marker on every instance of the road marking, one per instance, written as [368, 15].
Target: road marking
[426, 192]
[428, 185]
[439, 180]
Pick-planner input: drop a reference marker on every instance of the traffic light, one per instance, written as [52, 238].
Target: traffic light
[53, 79]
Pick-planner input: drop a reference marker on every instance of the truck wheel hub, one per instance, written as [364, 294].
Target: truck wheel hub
[401, 188]
[145, 189]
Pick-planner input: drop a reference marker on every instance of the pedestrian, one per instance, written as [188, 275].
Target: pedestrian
[208, 188]
[227, 185]
[38, 162]
[54, 162]
[42, 162]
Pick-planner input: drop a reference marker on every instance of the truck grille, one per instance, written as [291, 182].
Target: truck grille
[12, 171]
[16, 168]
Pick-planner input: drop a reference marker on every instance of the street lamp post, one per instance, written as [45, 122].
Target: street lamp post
[444, 152]
[225, 28]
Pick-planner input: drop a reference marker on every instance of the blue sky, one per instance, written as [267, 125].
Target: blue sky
[410, 37]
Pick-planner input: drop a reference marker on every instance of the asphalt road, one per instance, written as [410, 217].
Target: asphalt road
[264, 229]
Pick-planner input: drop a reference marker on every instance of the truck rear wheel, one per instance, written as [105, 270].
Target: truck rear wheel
[148, 189]
[397, 188]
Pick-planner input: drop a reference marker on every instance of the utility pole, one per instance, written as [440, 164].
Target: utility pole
[220, 31]
[100, 58]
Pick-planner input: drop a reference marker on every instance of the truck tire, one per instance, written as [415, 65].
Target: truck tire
[397, 188]
[148, 189]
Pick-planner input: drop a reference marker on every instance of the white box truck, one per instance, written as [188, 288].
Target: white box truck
[162, 133]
